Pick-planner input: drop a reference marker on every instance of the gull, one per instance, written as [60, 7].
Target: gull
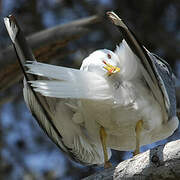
[120, 99]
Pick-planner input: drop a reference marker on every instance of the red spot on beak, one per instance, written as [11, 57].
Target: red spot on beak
[104, 62]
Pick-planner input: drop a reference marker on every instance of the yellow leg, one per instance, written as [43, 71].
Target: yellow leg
[138, 132]
[103, 136]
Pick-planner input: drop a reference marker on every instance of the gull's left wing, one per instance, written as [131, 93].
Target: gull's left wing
[149, 63]
[37, 104]
[57, 117]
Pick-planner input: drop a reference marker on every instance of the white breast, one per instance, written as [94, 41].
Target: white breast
[132, 101]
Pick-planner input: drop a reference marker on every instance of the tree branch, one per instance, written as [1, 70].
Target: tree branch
[46, 44]
[161, 163]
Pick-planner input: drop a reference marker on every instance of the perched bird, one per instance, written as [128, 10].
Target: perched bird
[117, 100]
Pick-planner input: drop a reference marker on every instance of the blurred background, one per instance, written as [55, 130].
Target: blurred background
[25, 151]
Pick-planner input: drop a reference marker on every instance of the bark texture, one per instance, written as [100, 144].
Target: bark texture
[160, 163]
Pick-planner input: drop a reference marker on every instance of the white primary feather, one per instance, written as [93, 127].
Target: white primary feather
[54, 72]
[68, 82]
[79, 90]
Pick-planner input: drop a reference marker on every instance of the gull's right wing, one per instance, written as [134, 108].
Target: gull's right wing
[37, 104]
[55, 116]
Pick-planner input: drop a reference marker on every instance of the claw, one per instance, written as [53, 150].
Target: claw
[111, 69]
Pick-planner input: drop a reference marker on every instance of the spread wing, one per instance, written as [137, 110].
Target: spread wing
[149, 69]
[68, 83]
[55, 116]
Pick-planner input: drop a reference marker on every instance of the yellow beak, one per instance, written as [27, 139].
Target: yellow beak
[111, 69]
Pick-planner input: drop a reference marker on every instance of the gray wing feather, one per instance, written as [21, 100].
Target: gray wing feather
[37, 112]
[54, 116]
[149, 71]
[166, 81]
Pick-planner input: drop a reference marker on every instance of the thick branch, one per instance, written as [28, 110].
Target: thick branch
[46, 44]
[161, 163]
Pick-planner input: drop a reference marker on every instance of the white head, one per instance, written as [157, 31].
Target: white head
[95, 62]
[123, 58]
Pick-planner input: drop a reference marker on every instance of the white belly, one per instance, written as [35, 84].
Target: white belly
[119, 118]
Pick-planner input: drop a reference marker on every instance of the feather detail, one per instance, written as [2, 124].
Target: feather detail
[68, 83]
[37, 112]
[129, 62]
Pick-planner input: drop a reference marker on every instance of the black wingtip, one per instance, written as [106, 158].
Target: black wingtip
[11, 18]
[11, 26]
[116, 19]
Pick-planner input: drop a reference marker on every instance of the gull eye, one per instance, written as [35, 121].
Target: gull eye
[109, 56]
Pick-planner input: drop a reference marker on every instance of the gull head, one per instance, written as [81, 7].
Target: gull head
[103, 62]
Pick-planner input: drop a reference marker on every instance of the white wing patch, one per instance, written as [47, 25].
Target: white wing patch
[68, 83]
